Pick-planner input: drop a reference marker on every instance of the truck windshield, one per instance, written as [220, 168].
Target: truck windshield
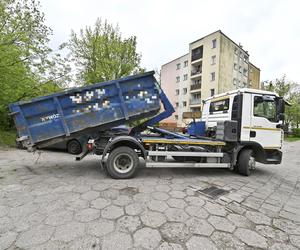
[265, 108]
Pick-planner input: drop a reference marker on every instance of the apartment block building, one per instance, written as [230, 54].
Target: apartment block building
[214, 64]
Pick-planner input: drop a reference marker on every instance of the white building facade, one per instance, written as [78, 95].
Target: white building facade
[214, 64]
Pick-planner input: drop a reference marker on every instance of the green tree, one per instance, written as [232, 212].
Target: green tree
[281, 86]
[290, 91]
[293, 112]
[100, 53]
[27, 66]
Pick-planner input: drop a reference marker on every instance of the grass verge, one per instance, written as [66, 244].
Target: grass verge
[8, 138]
[291, 138]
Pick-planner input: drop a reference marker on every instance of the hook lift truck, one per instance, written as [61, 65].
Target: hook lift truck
[242, 127]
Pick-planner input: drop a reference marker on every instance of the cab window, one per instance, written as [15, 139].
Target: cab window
[265, 108]
[221, 105]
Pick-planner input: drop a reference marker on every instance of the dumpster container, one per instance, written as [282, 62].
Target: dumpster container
[53, 118]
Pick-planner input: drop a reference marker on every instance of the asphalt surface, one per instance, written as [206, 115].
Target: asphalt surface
[49, 201]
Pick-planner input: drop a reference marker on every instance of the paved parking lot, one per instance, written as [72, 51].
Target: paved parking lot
[48, 201]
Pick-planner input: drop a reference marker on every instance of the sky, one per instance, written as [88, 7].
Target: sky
[268, 30]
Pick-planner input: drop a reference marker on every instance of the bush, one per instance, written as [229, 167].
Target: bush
[8, 138]
[296, 132]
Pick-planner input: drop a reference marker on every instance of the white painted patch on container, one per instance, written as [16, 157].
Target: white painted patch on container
[49, 117]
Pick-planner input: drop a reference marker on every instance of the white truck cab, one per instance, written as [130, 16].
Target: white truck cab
[259, 117]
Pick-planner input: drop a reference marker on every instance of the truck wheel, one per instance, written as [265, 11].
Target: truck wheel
[246, 162]
[122, 163]
[74, 147]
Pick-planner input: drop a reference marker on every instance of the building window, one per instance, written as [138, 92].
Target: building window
[214, 43]
[184, 91]
[184, 104]
[234, 81]
[250, 82]
[235, 66]
[241, 55]
[212, 92]
[177, 91]
[176, 104]
[197, 53]
[178, 66]
[185, 63]
[176, 117]
[185, 77]
[240, 69]
[244, 85]
[213, 60]
[245, 72]
[178, 79]
[213, 76]
[236, 51]
[246, 58]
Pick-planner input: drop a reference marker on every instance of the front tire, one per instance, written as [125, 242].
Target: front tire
[246, 162]
[122, 163]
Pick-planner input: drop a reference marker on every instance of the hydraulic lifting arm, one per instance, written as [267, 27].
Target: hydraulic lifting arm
[168, 111]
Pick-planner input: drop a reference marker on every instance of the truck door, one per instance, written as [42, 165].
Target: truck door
[263, 128]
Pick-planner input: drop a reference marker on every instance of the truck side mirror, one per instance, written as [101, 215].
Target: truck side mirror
[280, 109]
[280, 106]
[280, 117]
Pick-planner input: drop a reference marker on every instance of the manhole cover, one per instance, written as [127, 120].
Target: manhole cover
[129, 191]
[213, 192]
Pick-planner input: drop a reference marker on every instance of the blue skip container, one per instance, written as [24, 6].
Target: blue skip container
[55, 117]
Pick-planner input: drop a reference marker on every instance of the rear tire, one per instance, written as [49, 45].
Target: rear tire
[74, 147]
[122, 163]
[246, 162]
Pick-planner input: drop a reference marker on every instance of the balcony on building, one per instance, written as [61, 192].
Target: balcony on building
[197, 55]
[196, 71]
[196, 85]
[197, 109]
[195, 101]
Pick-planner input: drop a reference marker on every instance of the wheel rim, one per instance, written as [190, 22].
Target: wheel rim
[74, 147]
[251, 163]
[123, 163]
